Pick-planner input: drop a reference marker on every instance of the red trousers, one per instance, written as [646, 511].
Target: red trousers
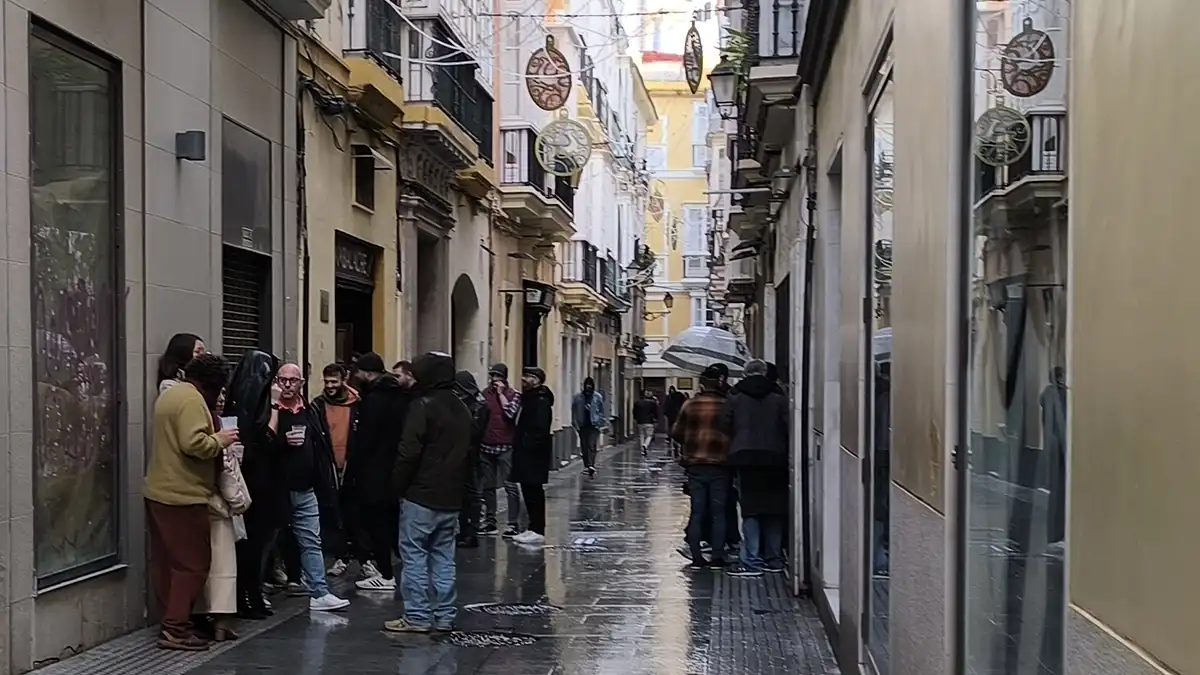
[180, 555]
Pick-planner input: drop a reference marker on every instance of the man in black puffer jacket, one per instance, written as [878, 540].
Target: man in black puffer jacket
[757, 418]
[468, 519]
[432, 474]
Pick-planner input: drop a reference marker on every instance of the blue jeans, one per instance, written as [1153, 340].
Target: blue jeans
[762, 541]
[427, 551]
[306, 525]
[709, 490]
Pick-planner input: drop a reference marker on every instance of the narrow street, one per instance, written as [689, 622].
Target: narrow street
[609, 595]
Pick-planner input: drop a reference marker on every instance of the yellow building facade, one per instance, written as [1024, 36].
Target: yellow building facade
[678, 219]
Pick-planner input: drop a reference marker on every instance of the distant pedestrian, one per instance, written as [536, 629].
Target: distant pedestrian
[756, 418]
[382, 412]
[496, 452]
[431, 475]
[533, 452]
[181, 478]
[704, 453]
[468, 518]
[671, 407]
[587, 416]
[645, 414]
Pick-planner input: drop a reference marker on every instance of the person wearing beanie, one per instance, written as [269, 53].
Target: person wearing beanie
[496, 451]
[703, 455]
[533, 452]
[382, 409]
[587, 416]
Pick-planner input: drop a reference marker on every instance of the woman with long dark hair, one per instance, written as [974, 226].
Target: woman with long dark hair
[183, 347]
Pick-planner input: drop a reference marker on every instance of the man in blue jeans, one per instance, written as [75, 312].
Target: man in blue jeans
[704, 452]
[757, 417]
[306, 465]
[433, 473]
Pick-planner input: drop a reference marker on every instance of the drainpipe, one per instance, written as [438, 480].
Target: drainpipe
[302, 228]
[806, 334]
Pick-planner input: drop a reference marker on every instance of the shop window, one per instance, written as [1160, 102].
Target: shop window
[77, 326]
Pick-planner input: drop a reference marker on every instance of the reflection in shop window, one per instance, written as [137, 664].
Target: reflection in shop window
[74, 231]
[1017, 379]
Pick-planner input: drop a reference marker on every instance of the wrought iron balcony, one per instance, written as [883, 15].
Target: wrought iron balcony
[383, 31]
[456, 92]
[775, 28]
[522, 168]
[1046, 156]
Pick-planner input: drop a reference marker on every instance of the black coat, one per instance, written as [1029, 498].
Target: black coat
[371, 453]
[533, 451]
[645, 411]
[756, 417]
[433, 467]
[325, 480]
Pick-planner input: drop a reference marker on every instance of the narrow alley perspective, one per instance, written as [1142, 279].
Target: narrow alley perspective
[608, 594]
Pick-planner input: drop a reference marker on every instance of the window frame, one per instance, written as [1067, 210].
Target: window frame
[73, 46]
[361, 164]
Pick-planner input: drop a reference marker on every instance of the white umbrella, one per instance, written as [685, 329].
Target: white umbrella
[699, 347]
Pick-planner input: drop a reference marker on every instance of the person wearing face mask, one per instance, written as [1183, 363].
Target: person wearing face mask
[181, 478]
[587, 416]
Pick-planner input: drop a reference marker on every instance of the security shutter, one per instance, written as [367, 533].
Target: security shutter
[246, 310]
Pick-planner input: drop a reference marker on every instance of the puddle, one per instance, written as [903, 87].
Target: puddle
[513, 609]
[485, 640]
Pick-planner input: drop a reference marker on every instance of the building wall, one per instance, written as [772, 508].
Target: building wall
[205, 59]
[1131, 585]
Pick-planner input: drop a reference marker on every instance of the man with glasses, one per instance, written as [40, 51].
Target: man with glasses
[307, 471]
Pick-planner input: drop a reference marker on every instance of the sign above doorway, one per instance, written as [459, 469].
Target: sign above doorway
[354, 261]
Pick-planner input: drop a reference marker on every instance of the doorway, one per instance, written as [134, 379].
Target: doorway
[431, 316]
[464, 311]
[353, 298]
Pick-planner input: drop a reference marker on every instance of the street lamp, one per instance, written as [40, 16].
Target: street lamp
[723, 79]
[668, 302]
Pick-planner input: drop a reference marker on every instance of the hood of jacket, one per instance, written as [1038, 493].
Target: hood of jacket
[756, 386]
[248, 396]
[539, 392]
[434, 370]
[385, 381]
[464, 382]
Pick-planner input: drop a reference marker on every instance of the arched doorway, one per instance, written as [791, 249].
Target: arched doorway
[465, 337]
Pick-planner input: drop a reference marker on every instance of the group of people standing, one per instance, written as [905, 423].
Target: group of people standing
[735, 450]
[245, 470]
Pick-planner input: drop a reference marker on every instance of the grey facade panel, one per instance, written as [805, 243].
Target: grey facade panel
[206, 59]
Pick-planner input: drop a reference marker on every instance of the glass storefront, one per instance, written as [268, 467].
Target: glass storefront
[1016, 380]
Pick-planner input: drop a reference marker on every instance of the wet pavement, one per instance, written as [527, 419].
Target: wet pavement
[608, 595]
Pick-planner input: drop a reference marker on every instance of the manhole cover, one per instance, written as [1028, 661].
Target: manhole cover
[486, 640]
[513, 609]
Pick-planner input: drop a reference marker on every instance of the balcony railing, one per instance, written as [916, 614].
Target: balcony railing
[582, 264]
[522, 168]
[775, 27]
[453, 88]
[383, 31]
[1046, 156]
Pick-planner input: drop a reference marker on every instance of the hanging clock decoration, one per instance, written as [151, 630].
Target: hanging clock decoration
[693, 58]
[1027, 61]
[1001, 136]
[548, 77]
[563, 147]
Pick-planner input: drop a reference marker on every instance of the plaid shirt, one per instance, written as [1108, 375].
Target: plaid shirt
[698, 430]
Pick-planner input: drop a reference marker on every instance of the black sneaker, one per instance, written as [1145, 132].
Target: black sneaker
[718, 563]
[697, 566]
[774, 568]
[590, 471]
[743, 571]
[488, 530]
[511, 531]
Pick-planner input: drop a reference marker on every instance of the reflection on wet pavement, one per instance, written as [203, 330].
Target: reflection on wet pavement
[610, 596]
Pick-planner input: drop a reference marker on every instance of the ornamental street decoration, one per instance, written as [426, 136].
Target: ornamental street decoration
[673, 233]
[563, 147]
[1001, 136]
[693, 58]
[1027, 61]
[548, 77]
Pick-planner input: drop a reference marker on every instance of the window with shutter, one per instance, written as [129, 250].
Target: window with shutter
[699, 134]
[694, 227]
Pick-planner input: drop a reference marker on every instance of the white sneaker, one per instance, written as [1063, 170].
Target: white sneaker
[337, 569]
[369, 570]
[530, 538]
[327, 603]
[376, 583]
